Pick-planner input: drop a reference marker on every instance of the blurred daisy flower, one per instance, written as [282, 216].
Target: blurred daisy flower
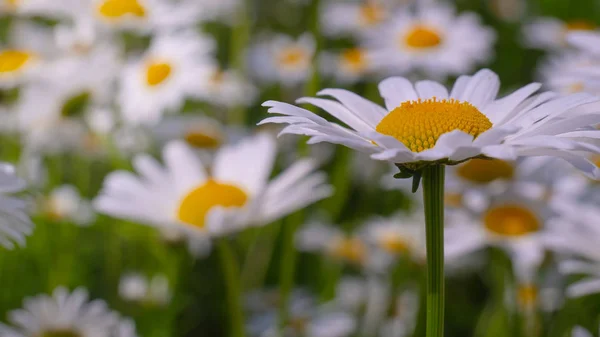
[15, 224]
[154, 291]
[347, 66]
[330, 241]
[64, 203]
[469, 122]
[182, 194]
[551, 33]
[433, 40]
[340, 18]
[63, 313]
[198, 131]
[228, 89]
[282, 59]
[175, 67]
[581, 332]
[570, 72]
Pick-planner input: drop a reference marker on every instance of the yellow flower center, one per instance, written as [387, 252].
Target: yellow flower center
[527, 295]
[157, 73]
[354, 59]
[575, 88]
[580, 25]
[217, 77]
[60, 333]
[394, 244]
[292, 57]
[196, 204]
[114, 9]
[13, 60]
[422, 37]
[350, 249]
[12, 3]
[511, 220]
[419, 124]
[202, 140]
[371, 14]
[453, 199]
[483, 171]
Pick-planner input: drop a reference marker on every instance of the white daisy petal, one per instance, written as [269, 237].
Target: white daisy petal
[396, 90]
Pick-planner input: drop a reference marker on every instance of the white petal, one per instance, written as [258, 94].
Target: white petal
[183, 164]
[481, 89]
[396, 90]
[340, 112]
[430, 89]
[366, 110]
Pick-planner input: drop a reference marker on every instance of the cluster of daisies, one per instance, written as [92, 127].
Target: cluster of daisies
[139, 87]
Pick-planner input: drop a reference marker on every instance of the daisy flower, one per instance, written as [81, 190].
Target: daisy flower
[340, 18]
[182, 194]
[64, 203]
[551, 33]
[424, 123]
[571, 72]
[63, 313]
[173, 69]
[348, 66]
[332, 242]
[283, 59]
[15, 224]
[433, 40]
[135, 287]
[228, 89]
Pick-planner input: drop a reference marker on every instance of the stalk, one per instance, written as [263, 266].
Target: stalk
[231, 275]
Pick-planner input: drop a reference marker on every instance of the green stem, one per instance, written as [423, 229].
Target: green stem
[433, 197]
[287, 268]
[231, 274]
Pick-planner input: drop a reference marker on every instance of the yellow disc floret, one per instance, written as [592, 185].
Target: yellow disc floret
[422, 37]
[12, 60]
[157, 73]
[419, 124]
[511, 220]
[483, 171]
[114, 9]
[196, 204]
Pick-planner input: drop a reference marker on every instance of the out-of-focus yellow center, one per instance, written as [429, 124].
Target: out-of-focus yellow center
[354, 59]
[371, 14]
[483, 171]
[217, 77]
[196, 204]
[419, 124]
[575, 88]
[157, 73]
[453, 199]
[580, 25]
[114, 9]
[292, 57]
[350, 249]
[202, 140]
[394, 244]
[12, 3]
[511, 220]
[60, 333]
[12, 60]
[422, 37]
[527, 295]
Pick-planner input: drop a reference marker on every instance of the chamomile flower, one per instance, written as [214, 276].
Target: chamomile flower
[64, 203]
[15, 224]
[424, 123]
[353, 18]
[551, 33]
[63, 313]
[135, 287]
[228, 89]
[348, 66]
[570, 72]
[283, 59]
[174, 68]
[433, 40]
[332, 242]
[236, 194]
[511, 220]
[397, 236]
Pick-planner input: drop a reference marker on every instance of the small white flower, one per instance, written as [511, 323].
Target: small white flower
[174, 68]
[64, 203]
[469, 122]
[15, 223]
[355, 18]
[332, 242]
[283, 59]
[138, 288]
[551, 33]
[348, 66]
[236, 194]
[433, 40]
[63, 313]
[571, 72]
[228, 89]
[198, 131]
